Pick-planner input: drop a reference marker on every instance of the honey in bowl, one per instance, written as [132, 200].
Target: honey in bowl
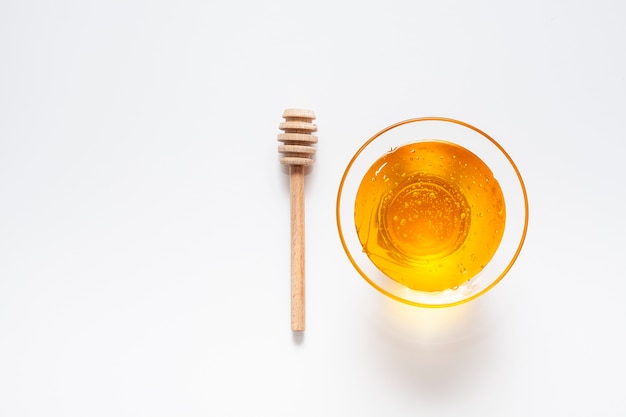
[429, 215]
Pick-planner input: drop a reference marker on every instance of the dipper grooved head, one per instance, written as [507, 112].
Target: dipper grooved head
[297, 148]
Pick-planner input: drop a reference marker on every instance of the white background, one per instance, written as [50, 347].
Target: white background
[144, 233]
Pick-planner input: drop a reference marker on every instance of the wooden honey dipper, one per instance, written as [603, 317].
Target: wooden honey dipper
[297, 150]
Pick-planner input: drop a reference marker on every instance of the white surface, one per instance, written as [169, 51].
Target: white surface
[144, 241]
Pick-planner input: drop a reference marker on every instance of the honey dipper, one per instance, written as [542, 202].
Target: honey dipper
[297, 152]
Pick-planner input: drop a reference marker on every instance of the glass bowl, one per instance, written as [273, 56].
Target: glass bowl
[432, 212]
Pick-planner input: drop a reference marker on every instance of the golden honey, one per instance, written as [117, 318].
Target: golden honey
[430, 215]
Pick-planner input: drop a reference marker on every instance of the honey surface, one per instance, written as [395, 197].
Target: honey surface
[429, 215]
